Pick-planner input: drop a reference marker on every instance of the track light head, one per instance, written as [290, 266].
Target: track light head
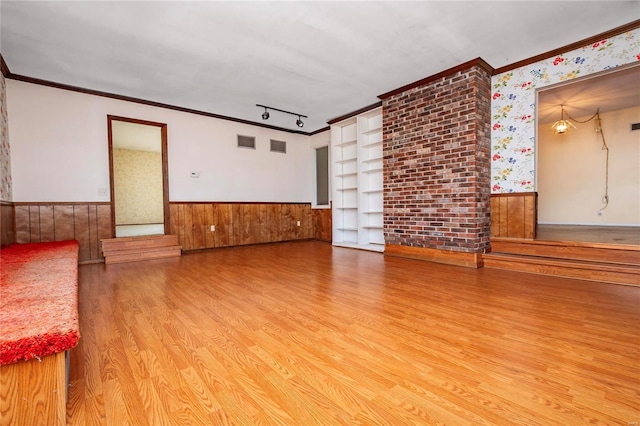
[299, 122]
[265, 114]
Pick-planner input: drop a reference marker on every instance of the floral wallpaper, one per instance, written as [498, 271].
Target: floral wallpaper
[137, 179]
[5, 151]
[513, 105]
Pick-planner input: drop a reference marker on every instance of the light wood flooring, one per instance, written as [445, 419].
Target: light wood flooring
[304, 333]
[590, 234]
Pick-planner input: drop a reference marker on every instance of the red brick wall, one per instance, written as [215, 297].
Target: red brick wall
[437, 162]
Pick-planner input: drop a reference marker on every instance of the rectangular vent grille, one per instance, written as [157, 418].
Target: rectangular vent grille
[246, 142]
[278, 146]
[635, 126]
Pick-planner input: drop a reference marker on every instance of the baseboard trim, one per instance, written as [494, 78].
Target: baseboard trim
[457, 258]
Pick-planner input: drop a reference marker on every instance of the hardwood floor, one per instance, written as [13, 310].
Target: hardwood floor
[590, 234]
[303, 333]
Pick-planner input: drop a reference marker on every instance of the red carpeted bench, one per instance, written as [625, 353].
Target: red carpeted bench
[38, 325]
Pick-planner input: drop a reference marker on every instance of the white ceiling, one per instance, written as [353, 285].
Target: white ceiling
[321, 59]
[609, 91]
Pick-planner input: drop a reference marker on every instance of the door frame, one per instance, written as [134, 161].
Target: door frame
[165, 168]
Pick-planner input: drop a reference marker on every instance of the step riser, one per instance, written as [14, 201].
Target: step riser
[127, 244]
[618, 255]
[132, 249]
[138, 256]
[610, 275]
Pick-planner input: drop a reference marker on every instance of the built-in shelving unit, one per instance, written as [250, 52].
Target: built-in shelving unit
[357, 181]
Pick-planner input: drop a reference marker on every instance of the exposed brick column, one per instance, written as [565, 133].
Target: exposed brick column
[437, 179]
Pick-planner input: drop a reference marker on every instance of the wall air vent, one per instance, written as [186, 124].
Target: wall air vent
[278, 146]
[635, 126]
[246, 142]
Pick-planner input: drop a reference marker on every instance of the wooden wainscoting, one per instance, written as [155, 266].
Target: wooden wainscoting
[514, 215]
[7, 223]
[239, 224]
[86, 222]
[322, 229]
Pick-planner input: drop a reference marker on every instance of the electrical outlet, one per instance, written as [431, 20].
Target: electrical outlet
[298, 223]
[213, 228]
[102, 192]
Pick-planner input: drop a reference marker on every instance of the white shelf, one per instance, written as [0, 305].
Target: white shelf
[358, 184]
[377, 169]
[346, 160]
[346, 143]
[372, 131]
[371, 160]
[372, 144]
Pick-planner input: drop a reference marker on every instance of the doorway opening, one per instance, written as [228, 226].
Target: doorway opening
[138, 177]
[587, 177]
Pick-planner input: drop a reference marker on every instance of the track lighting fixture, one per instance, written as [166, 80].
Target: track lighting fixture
[265, 114]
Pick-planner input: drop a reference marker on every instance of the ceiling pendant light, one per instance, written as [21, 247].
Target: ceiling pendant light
[562, 126]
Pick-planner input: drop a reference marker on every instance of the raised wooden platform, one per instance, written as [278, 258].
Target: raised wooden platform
[133, 249]
[610, 263]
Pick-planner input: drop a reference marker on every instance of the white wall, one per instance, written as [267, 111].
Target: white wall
[59, 151]
[571, 172]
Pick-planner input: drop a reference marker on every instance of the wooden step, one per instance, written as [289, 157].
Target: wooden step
[133, 249]
[623, 254]
[123, 243]
[569, 268]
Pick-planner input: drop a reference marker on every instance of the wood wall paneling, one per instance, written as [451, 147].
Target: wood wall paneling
[210, 219]
[224, 226]
[274, 214]
[530, 215]
[94, 242]
[7, 224]
[235, 224]
[176, 224]
[34, 223]
[243, 223]
[47, 224]
[321, 224]
[23, 231]
[104, 229]
[514, 215]
[86, 222]
[199, 222]
[81, 231]
[63, 223]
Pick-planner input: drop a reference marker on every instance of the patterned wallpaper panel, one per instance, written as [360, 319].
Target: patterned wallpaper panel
[5, 151]
[513, 106]
[137, 179]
